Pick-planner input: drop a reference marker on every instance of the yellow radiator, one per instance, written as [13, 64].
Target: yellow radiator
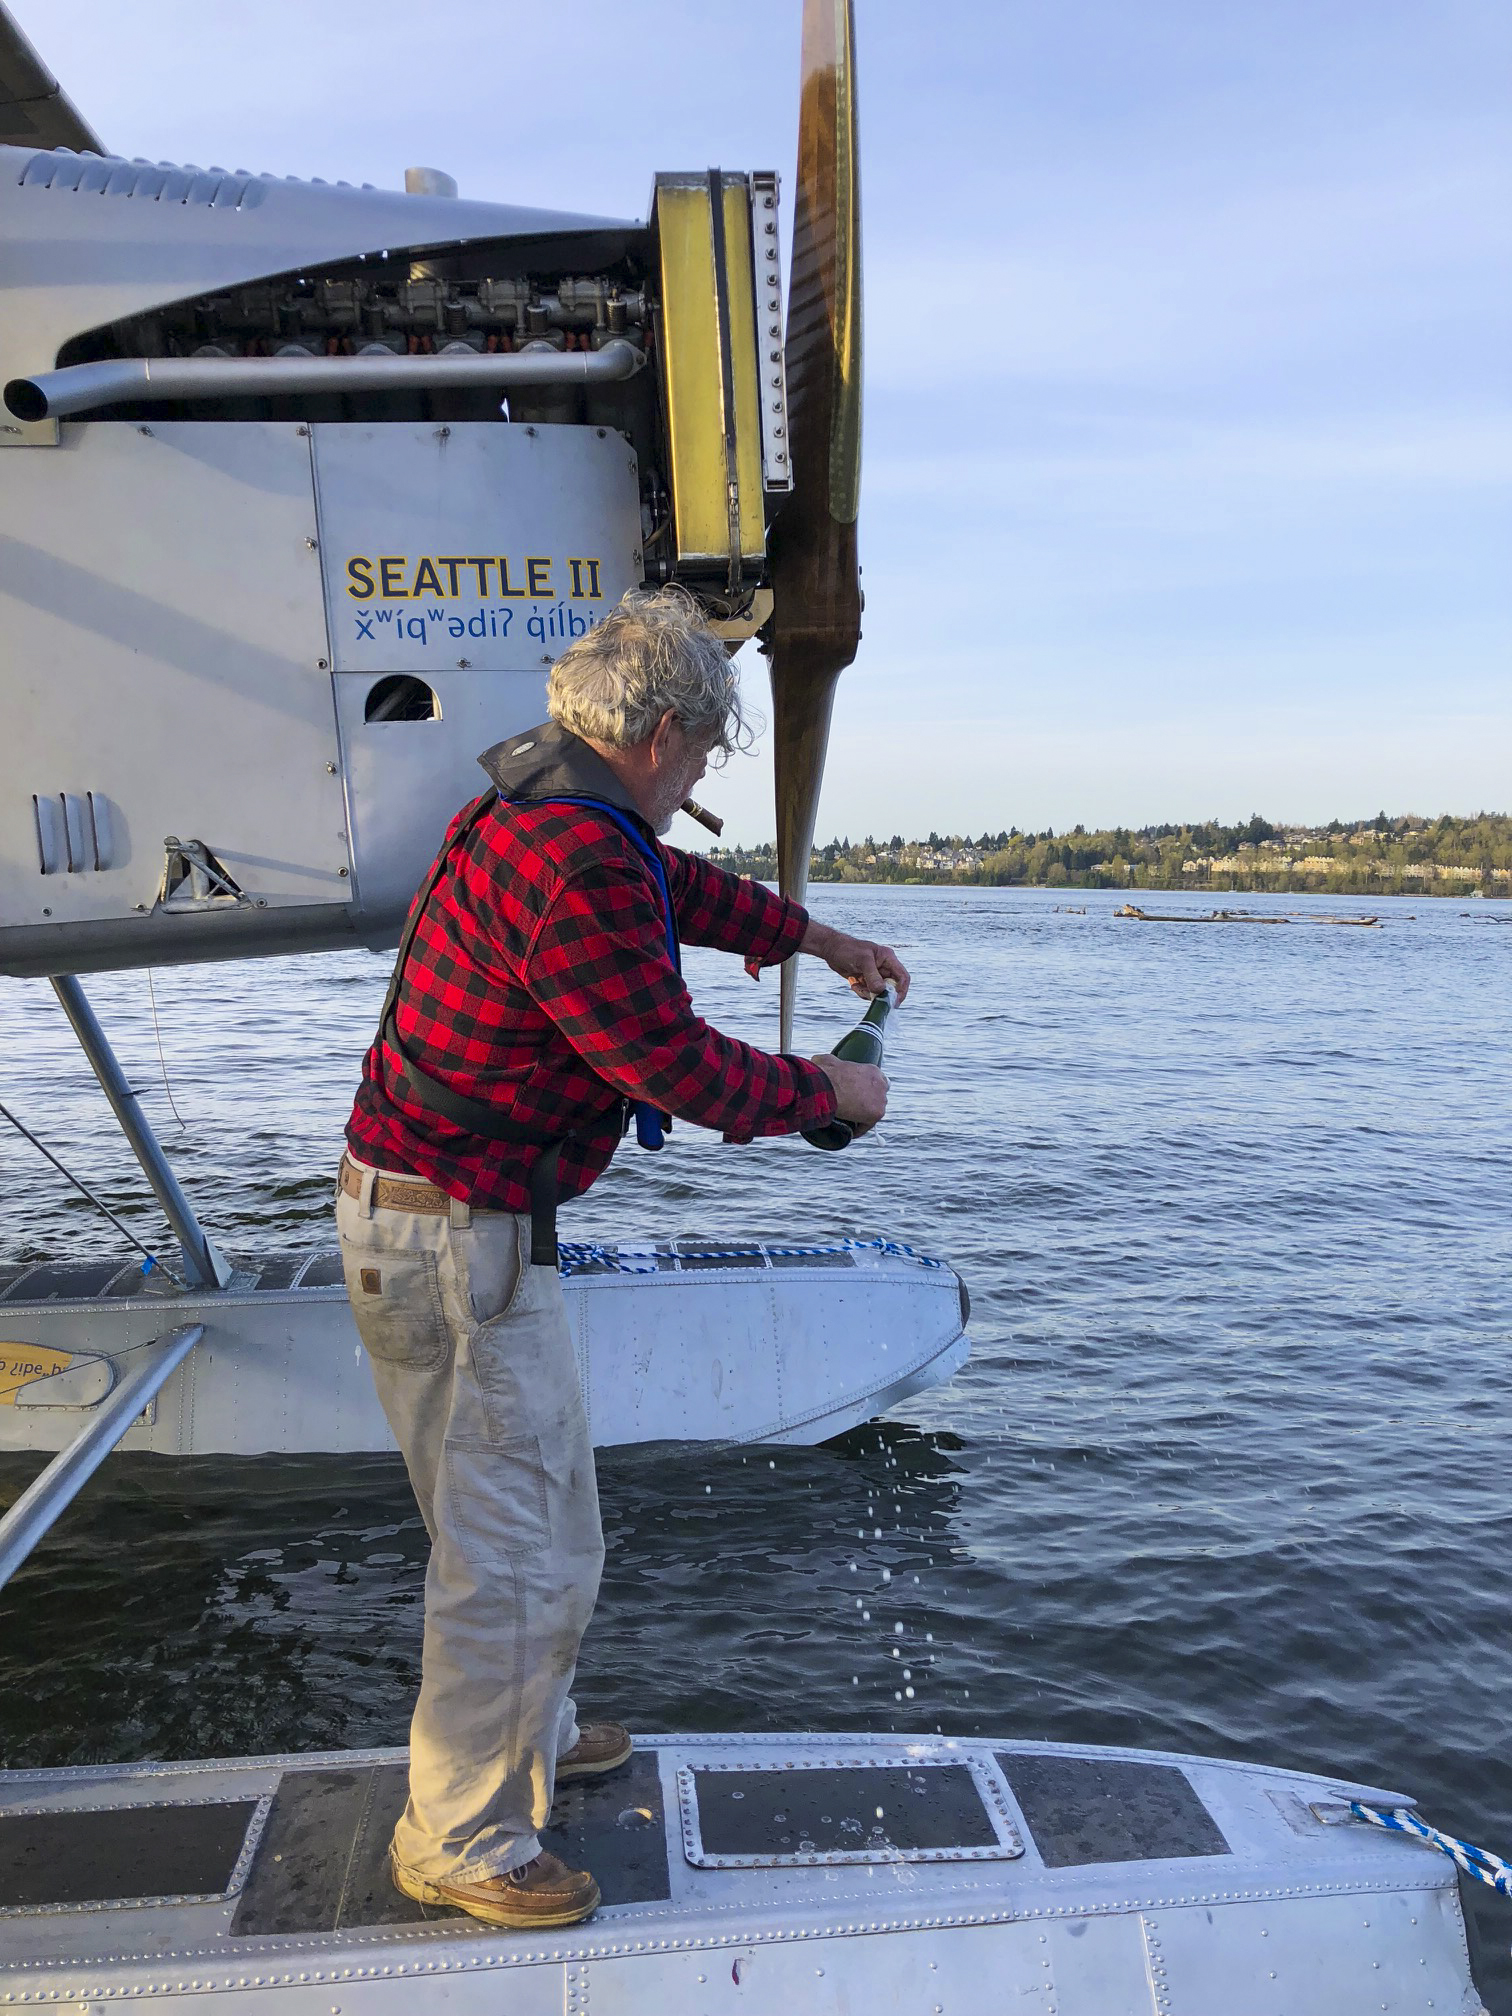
[709, 365]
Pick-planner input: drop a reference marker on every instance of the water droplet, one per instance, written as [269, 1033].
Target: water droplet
[887, 1574]
[708, 1490]
[853, 1567]
[897, 1630]
[929, 1637]
[909, 1692]
[897, 1696]
[866, 1616]
[879, 1812]
[772, 1465]
[876, 1533]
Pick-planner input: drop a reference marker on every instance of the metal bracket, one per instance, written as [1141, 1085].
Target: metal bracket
[771, 362]
[193, 879]
[27, 433]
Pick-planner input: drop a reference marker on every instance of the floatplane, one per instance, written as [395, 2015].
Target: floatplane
[307, 485]
[321, 475]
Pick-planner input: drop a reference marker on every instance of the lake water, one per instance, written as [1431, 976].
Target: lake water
[1227, 1471]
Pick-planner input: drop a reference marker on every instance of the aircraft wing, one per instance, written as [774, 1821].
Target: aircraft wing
[34, 109]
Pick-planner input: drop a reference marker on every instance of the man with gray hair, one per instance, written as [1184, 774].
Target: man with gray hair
[537, 1004]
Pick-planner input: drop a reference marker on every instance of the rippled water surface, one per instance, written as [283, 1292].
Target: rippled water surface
[1228, 1470]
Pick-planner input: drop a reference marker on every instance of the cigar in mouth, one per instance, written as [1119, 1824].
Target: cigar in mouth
[711, 821]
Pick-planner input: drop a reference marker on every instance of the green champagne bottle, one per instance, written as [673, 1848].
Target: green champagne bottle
[861, 1045]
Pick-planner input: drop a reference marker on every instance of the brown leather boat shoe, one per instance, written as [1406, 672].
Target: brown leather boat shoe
[543, 1893]
[601, 1746]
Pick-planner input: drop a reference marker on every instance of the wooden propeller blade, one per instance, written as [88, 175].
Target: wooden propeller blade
[815, 578]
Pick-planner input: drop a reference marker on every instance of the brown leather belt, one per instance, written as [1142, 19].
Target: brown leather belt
[397, 1193]
[407, 1193]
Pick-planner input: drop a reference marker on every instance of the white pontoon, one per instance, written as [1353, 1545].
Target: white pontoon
[760, 1876]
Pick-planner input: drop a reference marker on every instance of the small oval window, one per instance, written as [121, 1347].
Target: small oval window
[401, 697]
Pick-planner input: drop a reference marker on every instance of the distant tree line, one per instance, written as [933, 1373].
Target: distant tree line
[1383, 856]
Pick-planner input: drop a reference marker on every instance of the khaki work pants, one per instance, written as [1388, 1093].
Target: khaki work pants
[474, 1364]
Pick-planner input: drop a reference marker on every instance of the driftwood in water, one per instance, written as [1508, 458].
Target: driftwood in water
[1240, 917]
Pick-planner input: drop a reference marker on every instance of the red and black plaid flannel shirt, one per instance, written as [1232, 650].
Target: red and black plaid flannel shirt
[539, 979]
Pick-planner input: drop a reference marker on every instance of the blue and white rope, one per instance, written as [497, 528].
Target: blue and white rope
[577, 1258]
[1476, 1862]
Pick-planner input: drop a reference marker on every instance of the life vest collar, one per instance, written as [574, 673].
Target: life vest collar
[551, 762]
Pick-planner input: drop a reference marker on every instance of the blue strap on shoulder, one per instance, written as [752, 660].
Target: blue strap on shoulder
[650, 1122]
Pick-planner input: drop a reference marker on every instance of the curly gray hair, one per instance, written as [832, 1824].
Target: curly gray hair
[652, 653]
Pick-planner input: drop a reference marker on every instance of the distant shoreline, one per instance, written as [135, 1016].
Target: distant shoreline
[1437, 890]
[1406, 856]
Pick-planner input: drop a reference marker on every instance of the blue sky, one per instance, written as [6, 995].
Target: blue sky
[1189, 354]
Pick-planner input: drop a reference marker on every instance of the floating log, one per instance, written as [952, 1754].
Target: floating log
[1240, 917]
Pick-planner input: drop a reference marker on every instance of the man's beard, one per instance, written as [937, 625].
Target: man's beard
[666, 810]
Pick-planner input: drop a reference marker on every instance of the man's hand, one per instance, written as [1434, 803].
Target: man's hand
[868, 967]
[860, 1091]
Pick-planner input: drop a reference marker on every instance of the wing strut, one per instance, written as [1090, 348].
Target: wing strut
[38, 1508]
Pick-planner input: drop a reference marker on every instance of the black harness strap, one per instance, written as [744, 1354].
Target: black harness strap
[476, 1116]
[541, 1184]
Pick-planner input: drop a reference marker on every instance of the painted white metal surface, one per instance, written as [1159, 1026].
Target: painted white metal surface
[759, 1353]
[485, 515]
[498, 545]
[165, 641]
[85, 242]
[173, 599]
[1297, 1919]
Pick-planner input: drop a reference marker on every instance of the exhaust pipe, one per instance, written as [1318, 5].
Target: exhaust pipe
[86, 388]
